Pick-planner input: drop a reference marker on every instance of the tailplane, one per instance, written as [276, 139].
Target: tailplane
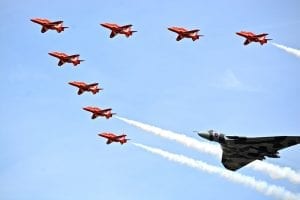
[60, 29]
[130, 33]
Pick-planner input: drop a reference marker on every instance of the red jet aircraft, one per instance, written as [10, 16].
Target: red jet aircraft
[99, 112]
[47, 24]
[183, 33]
[84, 87]
[251, 37]
[64, 58]
[116, 29]
[114, 138]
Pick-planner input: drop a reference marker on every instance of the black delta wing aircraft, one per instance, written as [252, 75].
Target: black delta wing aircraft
[240, 151]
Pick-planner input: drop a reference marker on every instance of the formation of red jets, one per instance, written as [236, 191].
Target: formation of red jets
[125, 30]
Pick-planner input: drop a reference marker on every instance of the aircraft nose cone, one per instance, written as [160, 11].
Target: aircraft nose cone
[204, 135]
[71, 83]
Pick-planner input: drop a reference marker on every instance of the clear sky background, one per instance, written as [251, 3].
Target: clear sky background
[49, 148]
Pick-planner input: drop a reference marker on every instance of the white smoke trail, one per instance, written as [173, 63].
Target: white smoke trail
[261, 186]
[274, 171]
[295, 52]
[181, 138]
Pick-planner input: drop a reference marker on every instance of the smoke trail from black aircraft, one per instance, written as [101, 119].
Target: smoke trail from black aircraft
[274, 171]
[260, 186]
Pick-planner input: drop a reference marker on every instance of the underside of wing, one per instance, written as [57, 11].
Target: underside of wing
[235, 161]
[240, 151]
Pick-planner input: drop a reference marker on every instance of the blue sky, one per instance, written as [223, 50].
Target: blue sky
[49, 147]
